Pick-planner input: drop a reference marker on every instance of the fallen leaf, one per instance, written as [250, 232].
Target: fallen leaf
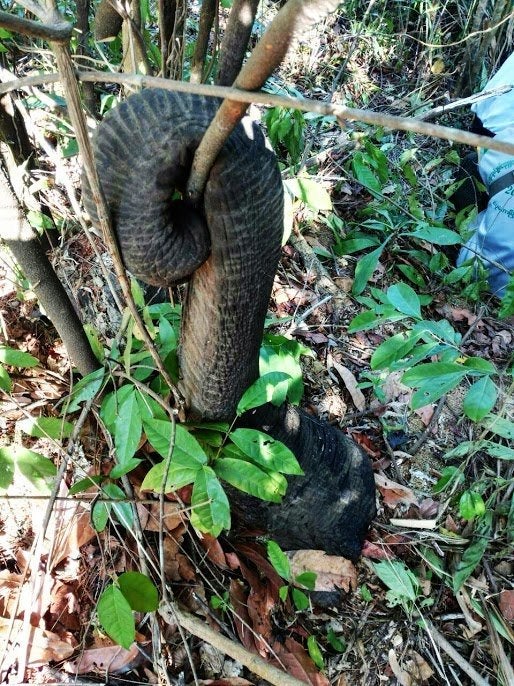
[41, 646]
[213, 550]
[296, 660]
[374, 551]
[110, 658]
[402, 676]
[172, 516]
[506, 604]
[365, 443]
[332, 572]
[239, 601]
[394, 493]
[417, 667]
[350, 382]
[425, 413]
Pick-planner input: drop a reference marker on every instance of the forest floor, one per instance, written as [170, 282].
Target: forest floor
[398, 615]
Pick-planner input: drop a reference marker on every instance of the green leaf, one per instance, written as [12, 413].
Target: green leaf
[351, 245]
[95, 342]
[37, 469]
[120, 470]
[436, 235]
[397, 577]
[283, 592]
[480, 399]
[310, 192]
[393, 349]
[434, 379]
[127, 428]
[86, 389]
[337, 643]
[279, 560]
[5, 380]
[85, 484]
[404, 299]
[111, 404]
[313, 647]
[16, 358]
[50, 427]
[471, 505]
[150, 409]
[365, 268]
[364, 175]
[480, 365]
[307, 579]
[250, 479]
[123, 510]
[502, 452]
[139, 591]
[412, 274]
[270, 388]
[100, 513]
[473, 553]
[300, 600]
[116, 617]
[137, 293]
[210, 509]
[448, 476]
[363, 321]
[186, 450]
[266, 451]
[500, 426]
[167, 336]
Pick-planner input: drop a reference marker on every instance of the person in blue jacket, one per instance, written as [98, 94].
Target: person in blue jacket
[492, 240]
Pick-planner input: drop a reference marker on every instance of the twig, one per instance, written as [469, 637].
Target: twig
[312, 264]
[439, 639]
[253, 662]
[59, 32]
[463, 102]
[341, 112]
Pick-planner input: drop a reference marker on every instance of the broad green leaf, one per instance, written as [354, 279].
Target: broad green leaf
[397, 577]
[86, 389]
[149, 409]
[364, 175]
[283, 593]
[111, 405]
[137, 293]
[473, 553]
[122, 510]
[279, 560]
[301, 603]
[392, 350]
[51, 427]
[37, 469]
[116, 617]
[126, 467]
[471, 505]
[430, 391]
[250, 479]
[405, 299]
[307, 579]
[441, 329]
[16, 358]
[480, 399]
[210, 509]
[5, 380]
[127, 428]
[100, 513]
[270, 388]
[311, 192]
[433, 371]
[177, 476]
[507, 301]
[365, 268]
[139, 591]
[448, 476]
[85, 484]
[500, 426]
[167, 336]
[266, 451]
[312, 643]
[480, 365]
[502, 452]
[337, 643]
[363, 321]
[95, 342]
[412, 274]
[186, 450]
[436, 235]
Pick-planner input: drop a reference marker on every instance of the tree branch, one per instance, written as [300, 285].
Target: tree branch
[295, 17]
[235, 40]
[58, 32]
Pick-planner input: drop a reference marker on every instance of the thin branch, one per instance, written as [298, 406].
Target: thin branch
[294, 19]
[235, 40]
[341, 112]
[28, 27]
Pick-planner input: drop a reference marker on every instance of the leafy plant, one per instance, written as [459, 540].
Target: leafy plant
[307, 580]
[403, 585]
[131, 592]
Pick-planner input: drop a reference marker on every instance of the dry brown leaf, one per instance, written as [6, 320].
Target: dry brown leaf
[110, 658]
[214, 550]
[374, 551]
[403, 677]
[394, 493]
[297, 662]
[70, 528]
[41, 646]
[172, 517]
[239, 601]
[332, 572]
[350, 382]
[418, 668]
[506, 604]
[425, 413]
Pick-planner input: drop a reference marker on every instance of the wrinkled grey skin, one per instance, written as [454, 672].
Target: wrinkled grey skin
[229, 249]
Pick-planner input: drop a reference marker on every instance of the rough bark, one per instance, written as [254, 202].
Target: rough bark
[235, 40]
[167, 13]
